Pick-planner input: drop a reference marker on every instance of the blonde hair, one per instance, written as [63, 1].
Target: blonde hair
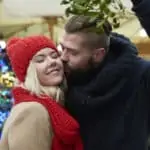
[33, 85]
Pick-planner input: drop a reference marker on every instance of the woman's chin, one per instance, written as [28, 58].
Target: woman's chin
[55, 81]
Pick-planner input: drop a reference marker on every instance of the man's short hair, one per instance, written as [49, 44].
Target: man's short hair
[83, 24]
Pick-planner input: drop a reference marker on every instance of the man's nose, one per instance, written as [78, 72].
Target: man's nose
[64, 56]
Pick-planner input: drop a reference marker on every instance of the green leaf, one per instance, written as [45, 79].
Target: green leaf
[79, 7]
[107, 1]
[117, 25]
[93, 19]
[68, 11]
[100, 24]
[112, 14]
[64, 2]
[106, 10]
[102, 5]
[90, 13]
[121, 5]
[115, 20]
[97, 9]
[80, 1]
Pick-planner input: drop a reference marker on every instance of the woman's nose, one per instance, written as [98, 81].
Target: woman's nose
[51, 62]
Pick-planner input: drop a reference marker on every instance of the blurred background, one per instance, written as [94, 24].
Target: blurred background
[44, 17]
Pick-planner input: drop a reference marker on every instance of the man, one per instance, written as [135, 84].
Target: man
[108, 84]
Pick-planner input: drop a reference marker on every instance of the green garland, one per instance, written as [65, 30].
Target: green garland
[111, 11]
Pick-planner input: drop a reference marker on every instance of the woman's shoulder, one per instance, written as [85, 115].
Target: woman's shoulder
[27, 118]
[28, 114]
[34, 109]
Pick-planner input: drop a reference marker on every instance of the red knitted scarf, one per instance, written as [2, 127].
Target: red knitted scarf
[66, 129]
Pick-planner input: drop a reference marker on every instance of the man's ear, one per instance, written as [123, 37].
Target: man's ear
[99, 54]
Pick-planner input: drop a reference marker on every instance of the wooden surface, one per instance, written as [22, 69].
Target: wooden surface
[143, 45]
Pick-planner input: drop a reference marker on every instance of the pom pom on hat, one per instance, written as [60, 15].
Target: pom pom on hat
[21, 50]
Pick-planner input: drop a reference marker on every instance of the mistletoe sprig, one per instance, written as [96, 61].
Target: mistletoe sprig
[111, 11]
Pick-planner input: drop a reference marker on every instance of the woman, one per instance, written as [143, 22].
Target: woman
[38, 120]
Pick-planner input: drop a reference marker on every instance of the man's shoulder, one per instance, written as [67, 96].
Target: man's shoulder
[145, 69]
[122, 42]
[144, 64]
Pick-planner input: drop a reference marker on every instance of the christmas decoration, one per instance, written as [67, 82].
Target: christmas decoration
[6, 82]
[111, 11]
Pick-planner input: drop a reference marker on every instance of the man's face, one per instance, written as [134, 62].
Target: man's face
[75, 54]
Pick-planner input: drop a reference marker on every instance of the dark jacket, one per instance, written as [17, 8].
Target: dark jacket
[112, 102]
[142, 10]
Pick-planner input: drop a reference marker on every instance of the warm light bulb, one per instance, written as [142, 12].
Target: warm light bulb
[2, 44]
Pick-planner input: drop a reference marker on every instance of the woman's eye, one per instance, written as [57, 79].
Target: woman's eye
[39, 59]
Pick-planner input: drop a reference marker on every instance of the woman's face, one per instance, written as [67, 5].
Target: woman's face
[49, 67]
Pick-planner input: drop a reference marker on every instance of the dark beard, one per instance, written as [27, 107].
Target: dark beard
[81, 76]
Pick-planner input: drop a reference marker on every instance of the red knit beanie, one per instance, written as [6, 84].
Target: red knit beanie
[21, 50]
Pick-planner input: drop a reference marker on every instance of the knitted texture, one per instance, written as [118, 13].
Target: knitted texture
[21, 50]
[66, 129]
